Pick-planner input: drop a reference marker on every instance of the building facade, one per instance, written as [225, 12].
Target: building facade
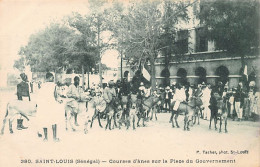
[201, 61]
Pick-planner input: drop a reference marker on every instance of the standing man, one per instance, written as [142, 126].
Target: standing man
[167, 96]
[206, 93]
[22, 91]
[239, 101]
[49, 110]
[73, 94]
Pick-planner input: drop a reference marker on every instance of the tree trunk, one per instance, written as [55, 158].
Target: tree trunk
[121, 64]
[55, 76]
[153, 79]
[99, 55]
[83, 77]
[88, 77]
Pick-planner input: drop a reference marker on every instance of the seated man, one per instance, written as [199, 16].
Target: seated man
[110, 94]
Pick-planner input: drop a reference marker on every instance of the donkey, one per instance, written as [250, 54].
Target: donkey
[157, 107]
[189, 109]
[72, 110]
[219, 111]
[148, 104]
[112, 110]
[124, 113]
[18, 107]
[132, 111]
[95, 107]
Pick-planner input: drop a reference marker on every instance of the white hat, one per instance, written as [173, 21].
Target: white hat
[141, 84]
[168, 87]
[141, 88]
[252, 83]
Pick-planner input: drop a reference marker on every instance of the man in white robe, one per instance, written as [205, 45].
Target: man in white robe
[48, 108]
[179, 97]
[206, 92]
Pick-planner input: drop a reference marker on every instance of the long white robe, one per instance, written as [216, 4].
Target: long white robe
[49, 110]
[178, 97]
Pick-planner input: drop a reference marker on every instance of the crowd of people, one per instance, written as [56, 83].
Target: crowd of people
[241, 102]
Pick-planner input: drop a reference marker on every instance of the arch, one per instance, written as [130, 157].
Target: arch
[223, 73]
[201, 73]
[166, 74]
[182, 73]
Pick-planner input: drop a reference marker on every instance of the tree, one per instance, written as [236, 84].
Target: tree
[47, 49]
[98, 16]
[143, 30]
[233, 25]
[20, 63]
[84, 50]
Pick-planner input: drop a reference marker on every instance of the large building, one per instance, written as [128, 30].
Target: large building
[201, 60]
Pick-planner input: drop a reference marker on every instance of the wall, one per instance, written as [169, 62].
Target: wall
[209, 63]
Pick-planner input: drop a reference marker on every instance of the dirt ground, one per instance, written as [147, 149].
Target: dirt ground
[157, 144]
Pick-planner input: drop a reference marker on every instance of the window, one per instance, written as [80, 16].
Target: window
[201, 40]
[182, 41]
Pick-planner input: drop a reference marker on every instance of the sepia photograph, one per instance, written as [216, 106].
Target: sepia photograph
[129, 83]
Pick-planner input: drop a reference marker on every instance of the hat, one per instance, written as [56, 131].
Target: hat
[203, 83]
[141, 88]
[141, 84]
[252, 84]
[111, 82]
[24, 77]
[168, 87]
[173, 83]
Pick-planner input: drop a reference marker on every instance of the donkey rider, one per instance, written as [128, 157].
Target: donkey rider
[179, 96]
[109, 95]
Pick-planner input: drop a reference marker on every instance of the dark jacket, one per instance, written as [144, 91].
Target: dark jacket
[213, 103]
[23, 90]
[125, 89]
[169, 95]
[239, 97]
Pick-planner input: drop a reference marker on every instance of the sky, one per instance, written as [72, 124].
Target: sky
[21, 18]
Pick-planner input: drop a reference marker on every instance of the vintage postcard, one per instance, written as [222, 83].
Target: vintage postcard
[129, 83]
